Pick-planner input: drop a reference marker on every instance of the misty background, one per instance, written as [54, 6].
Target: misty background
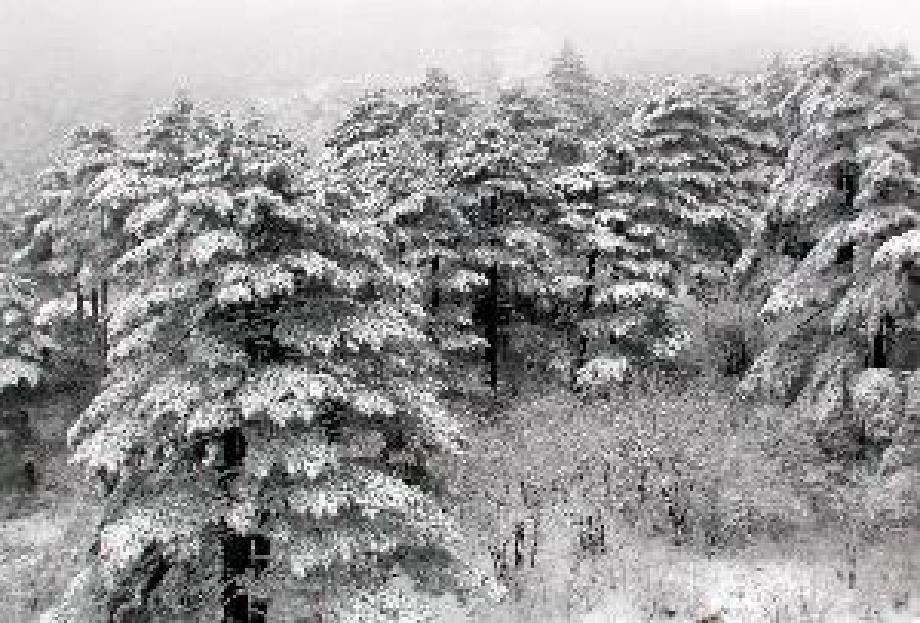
[65, 62]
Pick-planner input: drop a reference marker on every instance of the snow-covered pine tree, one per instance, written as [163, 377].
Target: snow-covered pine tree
[268, 361]
[440, 107]
[417, 129]
[670, 180]
[377, 143]
[370, 152]
[620, 94]
[574, 92]
[431, 232]
[617, 279]
[843, 212]
[66, 231]
[67, 241]
[532, 112]
[46, 332]
[495, 176]
[25, 375]
[18, 199]
[542, 308]
[23, 346]
[765, 98]
[748, 134]
[724, 312]
[435, 230]
[681, 182]
[526, 110]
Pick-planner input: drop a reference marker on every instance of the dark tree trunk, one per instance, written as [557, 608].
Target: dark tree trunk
[492, 327]
[242, 552]
[878, 357]
[31, 477]
[440, 149]
[492, 315]
[79, 302]
[850, 188]
[435, 292]
[239, 552]
[741, 363]
[103, 326]
[94, 303]
[178, 257]
[585, 310]
[233, 452]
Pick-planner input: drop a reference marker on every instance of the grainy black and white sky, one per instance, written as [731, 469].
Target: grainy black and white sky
[69, 61]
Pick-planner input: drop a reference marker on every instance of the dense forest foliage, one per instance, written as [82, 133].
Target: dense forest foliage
[276, 344]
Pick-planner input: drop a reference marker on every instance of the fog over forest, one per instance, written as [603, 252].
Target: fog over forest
[65, 62]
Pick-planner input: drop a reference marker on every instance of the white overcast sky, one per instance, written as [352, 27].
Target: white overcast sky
[62, 61]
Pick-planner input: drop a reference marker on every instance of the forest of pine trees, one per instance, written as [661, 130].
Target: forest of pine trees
[271, 346]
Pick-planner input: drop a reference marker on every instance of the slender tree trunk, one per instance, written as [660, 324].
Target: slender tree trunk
[875, 347]
[94, 304]
[493, 299]
[440, 147]
[492, 328]
[79, 302]
[435, 291]
[585, 310]
[878, 357]
[103, 325]
[850, 185]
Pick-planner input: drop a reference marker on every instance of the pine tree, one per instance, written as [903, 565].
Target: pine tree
[23, 346]
[532, 112]
[267, 410]
[574, 92]
[17, 207]
[682, 183]
[65, 243]
[25, 373]
[67, 233]
[670, 214]
[763, 106]
[619, 278]
[495, 176]
[392, 138]
[749, 138]
[845, 204]
[418, 128]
